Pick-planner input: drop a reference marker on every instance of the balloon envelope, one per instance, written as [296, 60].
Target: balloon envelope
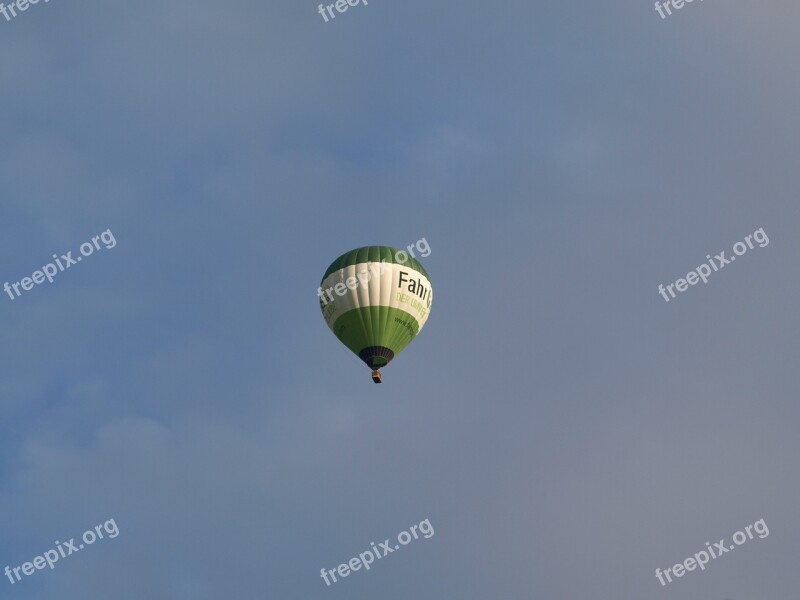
[376, 299]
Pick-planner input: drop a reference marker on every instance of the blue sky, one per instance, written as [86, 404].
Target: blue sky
[565, 430]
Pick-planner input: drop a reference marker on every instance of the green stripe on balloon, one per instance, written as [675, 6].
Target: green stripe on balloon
[384, 326]
[375, 254]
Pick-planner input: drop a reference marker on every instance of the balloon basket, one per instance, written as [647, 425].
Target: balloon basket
[377, 377]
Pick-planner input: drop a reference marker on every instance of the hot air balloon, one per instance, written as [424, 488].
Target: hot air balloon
[375, 299]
